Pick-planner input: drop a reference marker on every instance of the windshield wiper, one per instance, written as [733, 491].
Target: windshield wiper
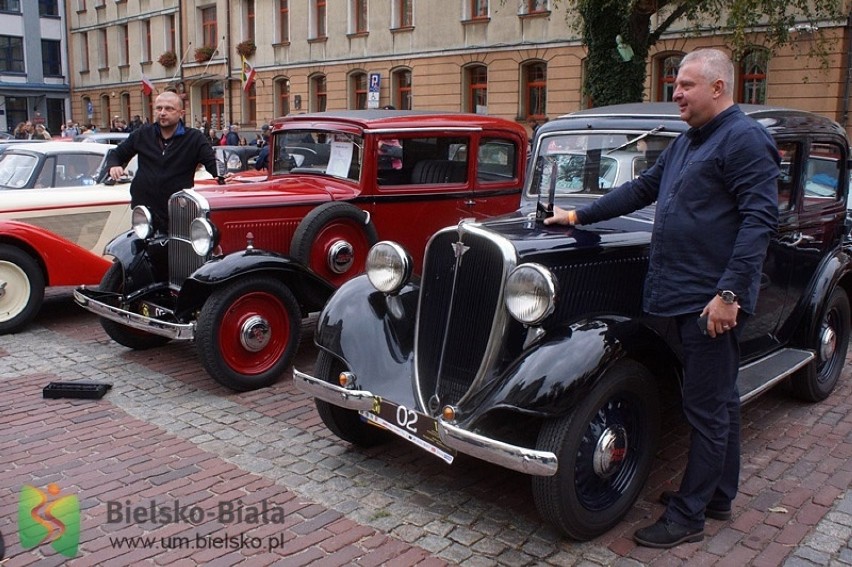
[637, 138]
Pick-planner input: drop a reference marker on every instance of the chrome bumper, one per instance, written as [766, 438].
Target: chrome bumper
[521, 459]
[174, 331]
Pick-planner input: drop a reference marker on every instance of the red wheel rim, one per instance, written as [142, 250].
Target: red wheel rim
[331, 233]
[244, 314]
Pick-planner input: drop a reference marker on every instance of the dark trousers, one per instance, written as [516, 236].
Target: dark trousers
[711, 406]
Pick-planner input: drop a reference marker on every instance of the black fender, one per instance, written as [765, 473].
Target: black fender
[550, 378]
[834, 271]
[310, 290]
[373, 334]
[132, 253]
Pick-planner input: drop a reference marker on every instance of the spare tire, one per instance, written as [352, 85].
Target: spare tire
[333, 241]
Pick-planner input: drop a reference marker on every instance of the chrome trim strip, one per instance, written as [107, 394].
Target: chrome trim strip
[521, 459]
[349, 399]
[174, 331]
[423, 129]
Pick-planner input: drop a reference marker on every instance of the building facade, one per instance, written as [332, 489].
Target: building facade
[516, 59]
[34, 78]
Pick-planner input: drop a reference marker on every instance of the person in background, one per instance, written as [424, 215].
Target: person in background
[168, 153]
[262, 161]
[720, 179]
[232, 138]
[41, 133]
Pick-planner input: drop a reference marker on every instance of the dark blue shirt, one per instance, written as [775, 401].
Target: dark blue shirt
[717, 207]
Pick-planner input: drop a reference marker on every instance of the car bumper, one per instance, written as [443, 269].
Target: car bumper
[521, 459]
[92, 300]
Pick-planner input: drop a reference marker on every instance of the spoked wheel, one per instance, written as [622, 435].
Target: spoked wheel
[333, 241]
[830, 344]
[113, 281]
[605, 449]
[21, 289]
[345, 423]
[248, 333]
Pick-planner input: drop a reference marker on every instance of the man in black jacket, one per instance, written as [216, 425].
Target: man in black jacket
[169, 154]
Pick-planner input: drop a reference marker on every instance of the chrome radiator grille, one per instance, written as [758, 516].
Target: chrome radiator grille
[184, 207]
[459, 306]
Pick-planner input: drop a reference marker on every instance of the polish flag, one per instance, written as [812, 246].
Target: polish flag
[147, 85]
[248, 75]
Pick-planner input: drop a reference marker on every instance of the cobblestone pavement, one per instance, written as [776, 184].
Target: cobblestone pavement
[171, 469]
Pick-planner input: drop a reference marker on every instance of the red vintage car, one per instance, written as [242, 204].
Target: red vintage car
[240, 265]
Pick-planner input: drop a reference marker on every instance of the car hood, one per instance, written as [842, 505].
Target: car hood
[291, 189]
[532, 238]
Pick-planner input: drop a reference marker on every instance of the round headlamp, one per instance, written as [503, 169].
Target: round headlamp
[201, 235]
[388, 266]
[141, 221]
[530, 293]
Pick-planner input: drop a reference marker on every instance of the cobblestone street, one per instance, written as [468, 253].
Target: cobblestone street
[167, 435]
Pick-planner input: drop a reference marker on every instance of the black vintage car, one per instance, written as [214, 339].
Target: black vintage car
[525, 345]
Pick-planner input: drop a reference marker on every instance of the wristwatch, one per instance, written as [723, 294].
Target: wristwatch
[728, 296]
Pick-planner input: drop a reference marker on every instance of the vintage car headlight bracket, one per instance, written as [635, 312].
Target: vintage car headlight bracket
[530, 293]
[388, 266]
[141, 221]
[202, 235]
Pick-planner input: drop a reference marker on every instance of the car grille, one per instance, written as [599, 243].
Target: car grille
[184, 207]
[460, 309]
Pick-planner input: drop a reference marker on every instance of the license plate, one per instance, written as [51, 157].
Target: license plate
[411, 425]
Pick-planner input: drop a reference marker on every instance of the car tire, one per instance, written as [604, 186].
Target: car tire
[817, 381]
[113, 281]
[594, 488]
[248, 332]
[321, 239]
[23, 289]
[345, 423]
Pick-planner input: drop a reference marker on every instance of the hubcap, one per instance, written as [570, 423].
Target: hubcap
[610, 451]
[341, 256]
[255, 333]
[827, 343]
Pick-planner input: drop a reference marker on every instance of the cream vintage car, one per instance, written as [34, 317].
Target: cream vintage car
[55, 219]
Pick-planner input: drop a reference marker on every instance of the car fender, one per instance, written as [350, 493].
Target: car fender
[835, 270]
[550, 378]
[53, 253]
[132, 253]
[310, 290]
[385, 364]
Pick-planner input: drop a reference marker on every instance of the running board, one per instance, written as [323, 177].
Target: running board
[760, 375]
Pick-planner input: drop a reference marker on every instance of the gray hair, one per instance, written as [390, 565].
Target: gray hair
[715, 65]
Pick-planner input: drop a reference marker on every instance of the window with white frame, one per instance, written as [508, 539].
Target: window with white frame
[358, 16]
[403, 13]
[317, 20]
[283, 21]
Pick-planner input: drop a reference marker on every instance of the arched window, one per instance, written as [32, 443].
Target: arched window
[106, 116]
[753, 76]
[358, 90]
[534, 96]
[666, 69]
[476, 82]
[402, 97]
[213, 104]
[282, 96]
[250, 115]
[319, 93]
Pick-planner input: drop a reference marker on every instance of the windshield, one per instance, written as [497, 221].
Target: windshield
[318, 151]
[16, 170]
[593, 163]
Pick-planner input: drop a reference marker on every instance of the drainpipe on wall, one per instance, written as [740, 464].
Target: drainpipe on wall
[844, 117]
[228, 64]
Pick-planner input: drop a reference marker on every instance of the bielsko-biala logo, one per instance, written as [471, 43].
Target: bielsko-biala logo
[49, 518]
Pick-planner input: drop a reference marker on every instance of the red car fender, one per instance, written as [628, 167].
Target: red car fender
[64, 262]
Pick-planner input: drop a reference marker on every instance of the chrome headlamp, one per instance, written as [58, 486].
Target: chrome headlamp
[140, 220]
[530, 293]
[202, 235]
[388, 266]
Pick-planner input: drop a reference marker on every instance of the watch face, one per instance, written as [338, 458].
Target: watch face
[728, 296]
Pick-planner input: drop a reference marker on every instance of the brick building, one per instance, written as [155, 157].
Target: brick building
[514, 58]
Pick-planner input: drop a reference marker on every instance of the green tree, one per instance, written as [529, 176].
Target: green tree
[610, 79]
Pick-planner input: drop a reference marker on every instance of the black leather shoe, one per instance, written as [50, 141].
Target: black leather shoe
[723, 514]
[665, 534]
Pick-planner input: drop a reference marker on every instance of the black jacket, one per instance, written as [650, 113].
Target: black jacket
[165, 166]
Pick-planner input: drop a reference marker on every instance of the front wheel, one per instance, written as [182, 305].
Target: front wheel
[814, 384]
[113, 281]
[248, 333]
[345, 423]
[605, 448]
[21, 289]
